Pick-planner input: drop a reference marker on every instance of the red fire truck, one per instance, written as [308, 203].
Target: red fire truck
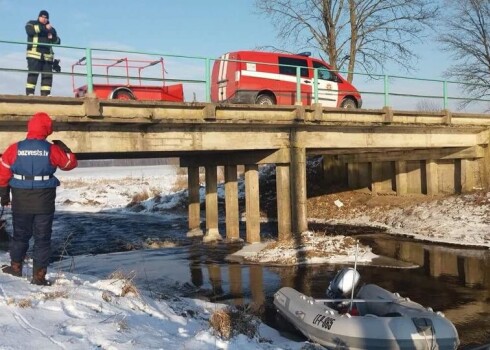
[270, 78]
[123, 83]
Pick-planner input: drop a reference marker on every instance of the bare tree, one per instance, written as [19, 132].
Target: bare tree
[467, 39]
[427, 105]
[361, 33]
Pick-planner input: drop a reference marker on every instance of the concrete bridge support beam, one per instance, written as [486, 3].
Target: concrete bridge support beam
[414, 177]
[334, 170]
[212, 233]
[298, 190]
[382, 177]
[283, 189]
[468, 173]
[432, 178]
[401, 177]
[486, 167]
[252, 205]
[231, 203]
[194, 202]
[359, 176]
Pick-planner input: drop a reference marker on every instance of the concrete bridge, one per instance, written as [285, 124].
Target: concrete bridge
[380, 150]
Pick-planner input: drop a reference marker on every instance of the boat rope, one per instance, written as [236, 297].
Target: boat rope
[433, 342]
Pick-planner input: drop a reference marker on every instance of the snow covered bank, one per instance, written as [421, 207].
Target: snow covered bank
[82, 312]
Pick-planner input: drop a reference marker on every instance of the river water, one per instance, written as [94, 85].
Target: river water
[452, 280]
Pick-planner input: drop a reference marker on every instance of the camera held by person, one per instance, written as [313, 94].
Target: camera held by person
[56, 66]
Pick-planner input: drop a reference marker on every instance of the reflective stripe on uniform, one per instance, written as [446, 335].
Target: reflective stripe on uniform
[45, 88]
[37, 28]
[4, 164]
[32, 178]
[69, 161]
[34, 54]
[30, 86]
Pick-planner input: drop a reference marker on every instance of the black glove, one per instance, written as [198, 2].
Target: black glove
[4, 201]
[56, 66]
[4, 196]
[62, 145]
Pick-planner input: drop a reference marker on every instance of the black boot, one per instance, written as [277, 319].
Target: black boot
[39, 276]
[15, 269]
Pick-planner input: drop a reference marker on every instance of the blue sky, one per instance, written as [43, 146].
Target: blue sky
[178, 27]
[183, 27]
[188, 27]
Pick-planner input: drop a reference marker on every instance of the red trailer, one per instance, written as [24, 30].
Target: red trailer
[123, 84]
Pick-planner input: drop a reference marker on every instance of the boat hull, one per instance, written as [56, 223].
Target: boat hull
[410, 325]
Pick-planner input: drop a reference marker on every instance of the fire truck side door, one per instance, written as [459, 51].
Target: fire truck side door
[328, 90]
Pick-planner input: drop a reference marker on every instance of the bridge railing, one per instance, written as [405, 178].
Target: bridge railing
[194, 72]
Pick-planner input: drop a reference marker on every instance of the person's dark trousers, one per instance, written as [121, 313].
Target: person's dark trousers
[27, 226]
[46, 68]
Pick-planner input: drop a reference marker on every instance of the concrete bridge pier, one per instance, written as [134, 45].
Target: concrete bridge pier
[287, 192]
[232, 214]
[212, 232]
[298, 185]
[486, 162]
[252, 205]
[194, 206]
[283, 190]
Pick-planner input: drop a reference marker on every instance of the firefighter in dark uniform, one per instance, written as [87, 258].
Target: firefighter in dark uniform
[27, 170]
[40, 57]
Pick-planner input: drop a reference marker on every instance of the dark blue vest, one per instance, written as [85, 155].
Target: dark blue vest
[33, 160]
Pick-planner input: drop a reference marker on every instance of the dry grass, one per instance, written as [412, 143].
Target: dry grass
[128, 286]
[229, 322]
[107, 296]
[139, 197]
[24, 303]
[143, 196]
[55, 295]
[180, 183]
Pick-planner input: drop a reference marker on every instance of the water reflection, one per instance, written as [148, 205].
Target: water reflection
[470, 266]
[454, 281]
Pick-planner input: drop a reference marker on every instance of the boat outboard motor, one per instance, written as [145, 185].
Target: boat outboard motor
[343, 283]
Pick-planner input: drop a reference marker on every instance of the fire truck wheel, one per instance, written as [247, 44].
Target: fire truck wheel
[348, 103]
[265, 100]
[123, 95]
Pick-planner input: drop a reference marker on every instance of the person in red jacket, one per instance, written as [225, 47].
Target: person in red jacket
[27, 170]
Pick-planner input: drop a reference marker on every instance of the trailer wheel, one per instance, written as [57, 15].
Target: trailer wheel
[123, 95]
[266, 100]
[348, 103]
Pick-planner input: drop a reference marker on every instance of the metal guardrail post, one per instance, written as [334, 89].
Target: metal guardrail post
[315, 84]
[386, 92]
[444, 94]
[208, 79]
[90, 78]
[298, 85]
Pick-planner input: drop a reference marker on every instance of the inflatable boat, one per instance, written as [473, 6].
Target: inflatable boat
[374, 319]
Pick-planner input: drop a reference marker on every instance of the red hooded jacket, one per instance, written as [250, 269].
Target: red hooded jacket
[40, 126]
